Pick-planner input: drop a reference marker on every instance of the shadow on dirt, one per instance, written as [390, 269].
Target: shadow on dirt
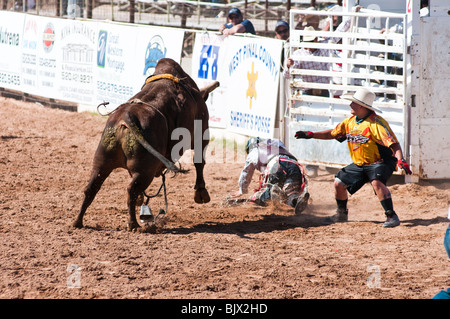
[13, 137]
[410, 222]
[424, 222]
[271, 223]
[268, 223]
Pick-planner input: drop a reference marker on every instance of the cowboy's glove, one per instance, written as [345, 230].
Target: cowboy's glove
[403, 165]
[341, 138]
[304, 134]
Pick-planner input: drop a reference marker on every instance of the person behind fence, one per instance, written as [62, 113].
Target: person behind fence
[344, 26]
[306, 20]
[375, 152]
[333, 20]
[281, 178]
[282, 30]
[311, 65]
[312, 170]
[236, 24]
[73, 8]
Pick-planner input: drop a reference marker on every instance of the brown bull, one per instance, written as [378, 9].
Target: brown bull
[137, 136]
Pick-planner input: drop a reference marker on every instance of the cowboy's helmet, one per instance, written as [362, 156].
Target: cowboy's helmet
[252, 143]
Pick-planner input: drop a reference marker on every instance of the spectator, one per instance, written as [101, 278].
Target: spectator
[311, 65]
[236, 24]
[344, 26]
[334, 20]
[424, 12]
[424, 9]
[64, 7]
[308, 20]
[311, 170]
[282, 30]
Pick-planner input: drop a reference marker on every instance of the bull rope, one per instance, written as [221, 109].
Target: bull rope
[153, 78]
[167, 76]
[171, 166]
[138, 101]
[149, 79]
[163, 186]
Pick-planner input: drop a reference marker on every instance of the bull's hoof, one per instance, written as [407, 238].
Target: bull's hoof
[201, 196]
[77, 224]
[133, 226]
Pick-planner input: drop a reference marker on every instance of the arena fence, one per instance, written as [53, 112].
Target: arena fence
[203, 15]
[371, 53]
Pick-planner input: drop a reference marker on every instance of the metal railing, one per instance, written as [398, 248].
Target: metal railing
[206, 15]
[369, 57]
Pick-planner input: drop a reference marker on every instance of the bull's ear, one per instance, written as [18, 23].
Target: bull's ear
[206, 90]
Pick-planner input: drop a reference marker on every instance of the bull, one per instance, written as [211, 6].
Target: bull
[137, 136]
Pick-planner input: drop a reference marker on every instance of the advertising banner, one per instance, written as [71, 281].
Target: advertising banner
[11, 27]
[76, 46]
[253, 70]
[116, 78]
[248, 69]
[32, 41]
[208, 66]
[127, 55]
[41, 51]
[85, 62]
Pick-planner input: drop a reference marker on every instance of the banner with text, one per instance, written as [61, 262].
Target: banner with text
[85, 62]
[11, 27]
[128, 54]
[248, 69]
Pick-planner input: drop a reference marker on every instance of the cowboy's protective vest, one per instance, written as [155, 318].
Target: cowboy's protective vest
[268, 150]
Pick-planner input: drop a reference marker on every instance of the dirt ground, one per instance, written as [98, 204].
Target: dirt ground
[209, 251]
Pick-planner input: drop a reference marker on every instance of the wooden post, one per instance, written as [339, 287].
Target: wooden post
[89, 8]
[288, 8]
[58, 8]
[132, 11]
[183, 15]
[266, 17]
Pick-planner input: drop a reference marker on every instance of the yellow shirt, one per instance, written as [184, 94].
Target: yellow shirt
[369, 140]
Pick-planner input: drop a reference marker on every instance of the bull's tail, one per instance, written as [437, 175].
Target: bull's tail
[137, 134]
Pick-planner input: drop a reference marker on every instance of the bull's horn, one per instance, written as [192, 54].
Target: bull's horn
[207, 89]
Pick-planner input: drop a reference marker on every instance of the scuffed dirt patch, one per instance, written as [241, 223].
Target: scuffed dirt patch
[201, 251]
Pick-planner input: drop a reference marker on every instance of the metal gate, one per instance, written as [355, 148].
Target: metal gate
[363, 55]
[429, 93]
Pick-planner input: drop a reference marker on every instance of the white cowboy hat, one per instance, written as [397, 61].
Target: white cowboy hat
[363, 97]
[309, 38]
